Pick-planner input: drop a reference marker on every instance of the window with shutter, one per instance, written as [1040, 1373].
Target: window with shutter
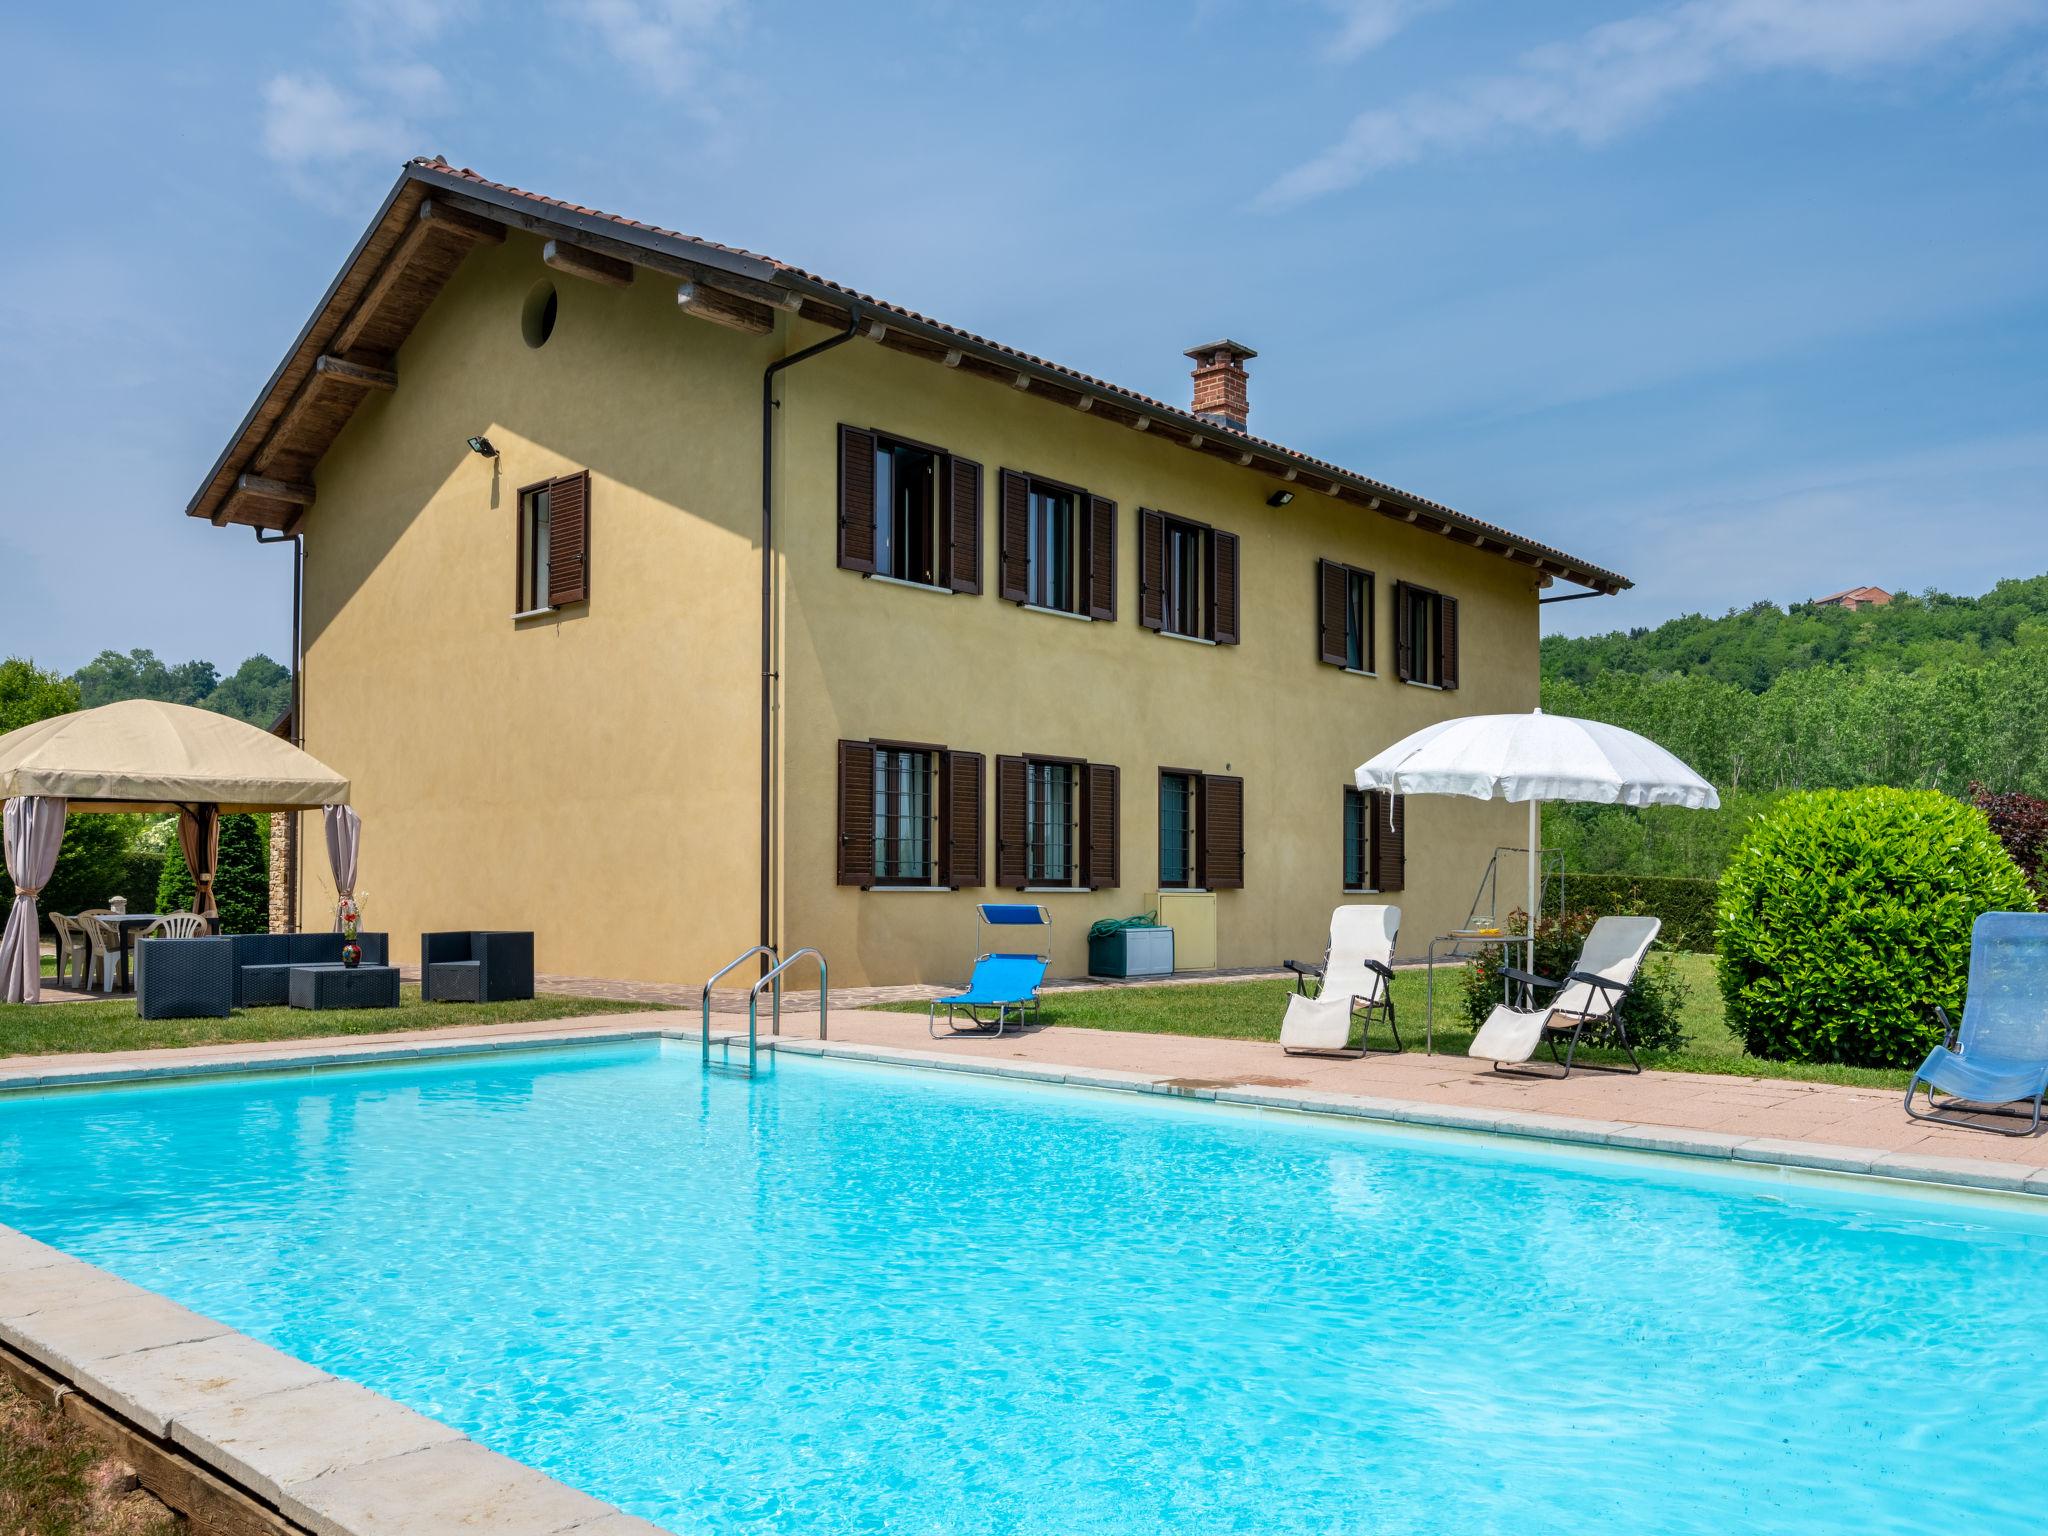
[960, 800]
[1100, 826]
[1389, 840]
[963, 517]
[856, 813]
[1188, 578]
[554, 544]
[1013, 868]
[856, 499]
[1425, 636]
[1222, 832]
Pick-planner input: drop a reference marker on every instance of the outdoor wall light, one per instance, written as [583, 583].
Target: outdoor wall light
[1279, 498]
[483, 446]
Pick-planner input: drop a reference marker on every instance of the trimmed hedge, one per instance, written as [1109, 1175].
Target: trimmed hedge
[241, 880]
[1845, 917]
[1685, 904]
[1653, 1010]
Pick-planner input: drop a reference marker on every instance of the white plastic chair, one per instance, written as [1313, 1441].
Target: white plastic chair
[104, 964]
[1355, 986]
[177, 925]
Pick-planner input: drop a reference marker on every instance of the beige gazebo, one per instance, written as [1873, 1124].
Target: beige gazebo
[143, 755]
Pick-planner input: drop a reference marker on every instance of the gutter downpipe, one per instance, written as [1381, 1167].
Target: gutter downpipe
[298, 736]
[769, 676]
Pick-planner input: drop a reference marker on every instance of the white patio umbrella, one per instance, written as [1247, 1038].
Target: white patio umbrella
[1536, 757]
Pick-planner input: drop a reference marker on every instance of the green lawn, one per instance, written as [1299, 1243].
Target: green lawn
[37, 1029]
[1251, 1010]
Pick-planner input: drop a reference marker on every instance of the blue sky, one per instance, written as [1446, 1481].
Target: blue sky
[1744, 298]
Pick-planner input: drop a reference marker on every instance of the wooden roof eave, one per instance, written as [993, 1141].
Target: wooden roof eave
[718, 275]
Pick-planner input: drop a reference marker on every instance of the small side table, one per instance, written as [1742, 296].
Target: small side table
[1456, 941]
[337, 986]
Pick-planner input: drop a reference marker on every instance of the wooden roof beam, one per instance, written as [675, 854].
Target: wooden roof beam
[591, 266]
[298, 495]
[434, 219]
[726, 309]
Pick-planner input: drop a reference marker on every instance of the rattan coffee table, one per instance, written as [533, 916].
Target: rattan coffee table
[337, 986]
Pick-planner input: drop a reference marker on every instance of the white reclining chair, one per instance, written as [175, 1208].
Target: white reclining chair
[1590, 996]
[1355, 985]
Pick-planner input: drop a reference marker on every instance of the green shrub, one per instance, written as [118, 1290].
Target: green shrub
[1653, 1011]
[1686, 905]
[1845, 917]
[241, 883]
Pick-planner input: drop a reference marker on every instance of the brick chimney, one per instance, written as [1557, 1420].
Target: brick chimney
[1220, 382]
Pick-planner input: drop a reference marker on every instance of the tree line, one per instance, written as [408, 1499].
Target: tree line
[1929, 692]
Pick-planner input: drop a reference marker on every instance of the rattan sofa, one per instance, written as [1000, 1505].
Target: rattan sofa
[263, 961]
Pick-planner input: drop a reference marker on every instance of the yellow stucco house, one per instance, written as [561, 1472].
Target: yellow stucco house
[663, 598]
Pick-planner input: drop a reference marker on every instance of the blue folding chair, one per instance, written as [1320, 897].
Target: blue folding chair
[1005, 980]
[1997, 1063]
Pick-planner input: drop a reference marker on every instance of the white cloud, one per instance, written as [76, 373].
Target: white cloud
[663, 41]
[1365, 24]
[309, 121]
[1619, 74]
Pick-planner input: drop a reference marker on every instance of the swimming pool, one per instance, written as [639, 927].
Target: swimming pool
[856, 1299]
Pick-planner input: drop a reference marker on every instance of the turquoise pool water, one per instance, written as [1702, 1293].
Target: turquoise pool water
[847, 1299]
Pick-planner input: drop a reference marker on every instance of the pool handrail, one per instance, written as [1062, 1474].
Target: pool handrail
[775, 969]
[775, 1018]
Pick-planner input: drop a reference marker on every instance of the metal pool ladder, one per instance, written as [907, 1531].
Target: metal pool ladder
[772, 980]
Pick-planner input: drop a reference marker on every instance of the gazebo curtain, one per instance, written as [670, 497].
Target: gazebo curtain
[199, 836]
[344, 841]
[34, 833]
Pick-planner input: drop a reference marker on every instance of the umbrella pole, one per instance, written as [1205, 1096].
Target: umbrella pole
[1535, 874]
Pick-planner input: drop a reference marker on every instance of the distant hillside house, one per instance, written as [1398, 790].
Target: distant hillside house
[661, 598]
[1853, 598]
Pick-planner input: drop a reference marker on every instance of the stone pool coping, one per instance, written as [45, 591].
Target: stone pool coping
[234, 1433]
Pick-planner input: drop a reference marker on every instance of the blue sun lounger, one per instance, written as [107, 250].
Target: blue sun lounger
[1005, 981]
[1997, 1062]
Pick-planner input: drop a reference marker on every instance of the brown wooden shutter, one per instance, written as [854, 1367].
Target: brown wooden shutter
[1223, 587]
[1222, 833]
[1447, 639]
[963, 525]
[1333, 598]
[1014, 538]
[1101, 827]
[1100, 561]
[856, 499]
[569, 539]
[856, 813]
[1404, 632]
[1389, 840]
[1369, 617]
[1151, 568]
[1013, 861]
[960, 840]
